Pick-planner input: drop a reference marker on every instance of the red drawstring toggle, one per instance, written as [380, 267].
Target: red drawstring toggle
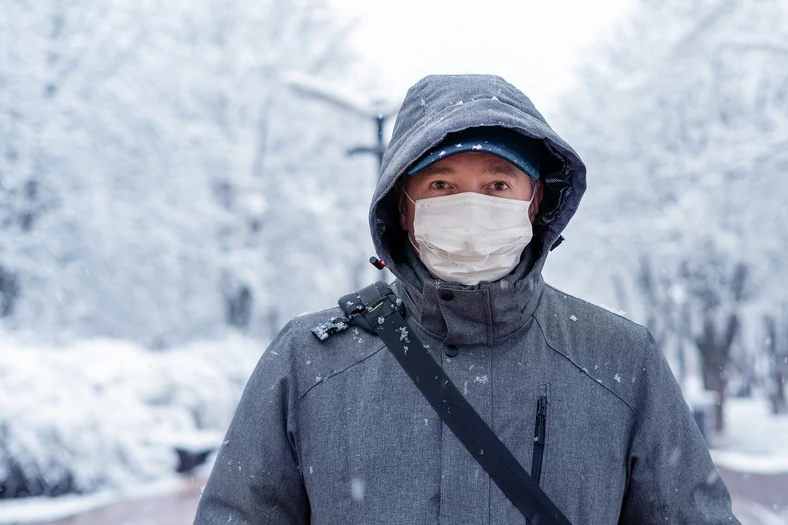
[377, 263]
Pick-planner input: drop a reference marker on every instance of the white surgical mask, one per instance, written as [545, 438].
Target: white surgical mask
[470, 237]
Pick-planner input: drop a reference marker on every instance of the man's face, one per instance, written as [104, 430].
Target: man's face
[468, 172]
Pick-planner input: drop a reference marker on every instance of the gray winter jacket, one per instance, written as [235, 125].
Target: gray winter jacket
[334, 432]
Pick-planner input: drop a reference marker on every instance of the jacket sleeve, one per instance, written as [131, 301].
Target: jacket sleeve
[671, 476]
[256, 478]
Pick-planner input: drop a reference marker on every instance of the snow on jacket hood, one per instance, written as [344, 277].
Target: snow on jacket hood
[441, 104]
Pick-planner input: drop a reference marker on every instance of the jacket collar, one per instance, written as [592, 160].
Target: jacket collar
[471, 315]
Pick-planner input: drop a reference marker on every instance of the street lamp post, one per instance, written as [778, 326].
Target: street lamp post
[376, 109]
[379, 148]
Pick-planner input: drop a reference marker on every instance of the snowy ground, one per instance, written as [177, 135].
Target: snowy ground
[42, 510]
[752, 456]
[109, 414]
[755, 441]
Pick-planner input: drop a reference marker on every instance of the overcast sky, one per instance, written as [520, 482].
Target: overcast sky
[533, 44]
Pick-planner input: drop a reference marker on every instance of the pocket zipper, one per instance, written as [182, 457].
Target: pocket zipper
[539, 438]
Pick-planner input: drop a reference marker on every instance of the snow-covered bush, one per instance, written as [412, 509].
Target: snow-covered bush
[103, 414]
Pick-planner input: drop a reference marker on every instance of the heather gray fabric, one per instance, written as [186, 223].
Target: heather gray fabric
[335, 432]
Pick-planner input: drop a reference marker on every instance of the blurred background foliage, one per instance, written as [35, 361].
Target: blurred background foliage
[162, 184]
[683, 121]
[159, 181]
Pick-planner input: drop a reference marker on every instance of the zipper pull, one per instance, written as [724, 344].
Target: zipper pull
[541, 420]
[539, 438]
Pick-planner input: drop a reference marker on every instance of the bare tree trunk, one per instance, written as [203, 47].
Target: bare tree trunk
[684, 334]
[647, 286]
[238, 307]
[777, 369]
[781, 361]
[715, 351]
[9, 291]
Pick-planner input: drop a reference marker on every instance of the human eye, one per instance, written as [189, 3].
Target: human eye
[499, 186]
[439, 185]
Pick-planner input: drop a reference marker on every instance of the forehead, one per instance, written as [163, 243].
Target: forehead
[471, 162]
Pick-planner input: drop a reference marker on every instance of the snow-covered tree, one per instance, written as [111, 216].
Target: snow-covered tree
[683, 120]
[159, 181]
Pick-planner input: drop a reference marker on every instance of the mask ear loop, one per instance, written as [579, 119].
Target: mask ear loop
[534, 187]
[408, 235]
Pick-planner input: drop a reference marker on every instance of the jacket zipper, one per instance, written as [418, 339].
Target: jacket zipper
[539, 438]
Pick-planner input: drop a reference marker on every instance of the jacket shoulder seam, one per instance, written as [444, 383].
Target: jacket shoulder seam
[584, 371]
[628, 320]
[338, 372]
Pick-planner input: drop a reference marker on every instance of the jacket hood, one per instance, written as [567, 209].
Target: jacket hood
[438, 105]
[433, 108]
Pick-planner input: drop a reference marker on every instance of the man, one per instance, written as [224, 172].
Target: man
[474, 192]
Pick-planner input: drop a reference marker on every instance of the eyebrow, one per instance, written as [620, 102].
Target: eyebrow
[433, 170]
[505, 169]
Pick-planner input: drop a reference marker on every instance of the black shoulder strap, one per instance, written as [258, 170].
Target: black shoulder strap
[378, 310]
